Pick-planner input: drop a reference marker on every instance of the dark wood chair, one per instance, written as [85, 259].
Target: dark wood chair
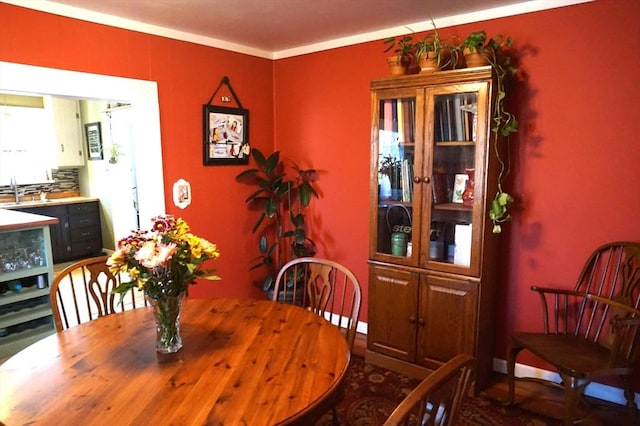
[436, 400]
[81, 292]
[326, 287]
[591, 331]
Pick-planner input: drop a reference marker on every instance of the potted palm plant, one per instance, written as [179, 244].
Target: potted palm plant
[281, 202]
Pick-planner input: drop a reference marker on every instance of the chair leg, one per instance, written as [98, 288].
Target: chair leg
[511, 373]
[336, 418]
[631, 399]
[573, 391]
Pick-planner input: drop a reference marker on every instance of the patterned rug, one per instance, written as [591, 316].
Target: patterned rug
[372, 393]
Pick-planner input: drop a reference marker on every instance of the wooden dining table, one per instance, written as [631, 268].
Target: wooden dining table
[244, 362]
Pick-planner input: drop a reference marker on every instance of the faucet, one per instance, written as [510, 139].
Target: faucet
[14, 184]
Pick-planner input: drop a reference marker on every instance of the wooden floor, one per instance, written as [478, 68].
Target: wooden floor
[543, 399]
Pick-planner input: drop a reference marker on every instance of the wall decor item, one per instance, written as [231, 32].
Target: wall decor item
[93, 133]
[181, 193]
[226, 135]
[225, 131]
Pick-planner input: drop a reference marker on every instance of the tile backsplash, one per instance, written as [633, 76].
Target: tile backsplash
[64, 180]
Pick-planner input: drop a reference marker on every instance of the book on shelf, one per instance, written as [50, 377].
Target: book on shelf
[407, 181]
[439, 188]
[455, 117]
[397, 116]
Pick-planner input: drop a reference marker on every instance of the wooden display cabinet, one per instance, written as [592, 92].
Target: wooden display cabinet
[432, 254]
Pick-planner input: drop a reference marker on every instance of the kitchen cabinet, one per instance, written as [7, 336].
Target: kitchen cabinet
[432, 254]
[26, 270]
[67, 131]
[78, 234]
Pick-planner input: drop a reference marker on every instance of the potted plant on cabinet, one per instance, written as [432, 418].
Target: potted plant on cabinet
[403, 50]
[282, 203]
[503, 122]
[434, 53]
[473, 49]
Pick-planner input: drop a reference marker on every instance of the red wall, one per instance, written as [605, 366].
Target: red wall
[576, 154]
[187, 75]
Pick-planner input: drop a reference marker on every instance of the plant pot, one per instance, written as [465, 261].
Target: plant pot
[397, 65]
[429, 63]
[477, 58]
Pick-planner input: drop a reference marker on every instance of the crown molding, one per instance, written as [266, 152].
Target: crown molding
[114, 21]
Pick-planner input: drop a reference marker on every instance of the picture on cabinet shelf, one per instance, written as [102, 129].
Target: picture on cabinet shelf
[93, 133]
[225, 135]
[459, 185]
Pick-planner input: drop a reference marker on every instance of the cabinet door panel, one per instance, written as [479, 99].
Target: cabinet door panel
[447, 319]
[397, 132]
[392, 308]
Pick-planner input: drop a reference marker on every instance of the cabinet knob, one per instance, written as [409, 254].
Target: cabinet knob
[426, 179]
[421, 322]
[412, 320]
[417, 179]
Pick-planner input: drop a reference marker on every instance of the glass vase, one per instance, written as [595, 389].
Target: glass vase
[166, 312]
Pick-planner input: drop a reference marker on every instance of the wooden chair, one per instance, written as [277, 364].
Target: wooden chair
[330, 290]
[81, 292]
[591, 331]
[436, 400]
[326, 287]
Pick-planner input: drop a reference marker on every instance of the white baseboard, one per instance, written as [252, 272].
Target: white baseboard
[596, 390]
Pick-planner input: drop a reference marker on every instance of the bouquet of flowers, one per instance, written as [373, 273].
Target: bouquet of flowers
[164, 260]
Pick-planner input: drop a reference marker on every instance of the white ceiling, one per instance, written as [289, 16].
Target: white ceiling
[280, 28]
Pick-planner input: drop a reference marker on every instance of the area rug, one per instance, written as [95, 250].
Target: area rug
[372, 393]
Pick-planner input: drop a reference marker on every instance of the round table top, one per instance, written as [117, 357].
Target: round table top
[243, 362]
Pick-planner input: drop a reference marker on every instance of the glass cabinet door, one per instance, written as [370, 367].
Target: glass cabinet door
[457, 175]
[397, 134]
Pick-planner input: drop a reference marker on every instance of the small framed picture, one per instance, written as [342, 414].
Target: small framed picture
[225, 135]
[93, 133]
[459, 184]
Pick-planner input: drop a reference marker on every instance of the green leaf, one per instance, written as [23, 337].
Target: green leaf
[262, 244]
[270, 207]
[268, 283]
[271, 163]
[258, 156]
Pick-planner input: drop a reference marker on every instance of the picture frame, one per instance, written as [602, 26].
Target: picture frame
[93, 133]
[225, 135]
[459, 184]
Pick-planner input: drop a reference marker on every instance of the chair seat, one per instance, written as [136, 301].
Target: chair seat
[570, 354]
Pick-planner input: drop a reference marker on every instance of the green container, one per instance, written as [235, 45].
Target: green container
[399, 244]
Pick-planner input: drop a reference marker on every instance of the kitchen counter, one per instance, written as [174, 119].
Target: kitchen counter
[11, 220]
[48, 202]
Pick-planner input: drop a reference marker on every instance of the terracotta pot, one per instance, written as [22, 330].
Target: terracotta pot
[397, 65]
[428, 63]
[476, 58]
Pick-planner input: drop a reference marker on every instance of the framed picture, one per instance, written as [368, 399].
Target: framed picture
[93, 133]
[225, 135]
[459, 184]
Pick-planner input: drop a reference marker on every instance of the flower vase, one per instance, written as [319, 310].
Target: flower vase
[166, 312]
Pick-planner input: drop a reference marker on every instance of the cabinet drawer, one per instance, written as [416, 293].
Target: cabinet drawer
[84, 234]
[85, 220]
[83, 208]
[84, 248]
